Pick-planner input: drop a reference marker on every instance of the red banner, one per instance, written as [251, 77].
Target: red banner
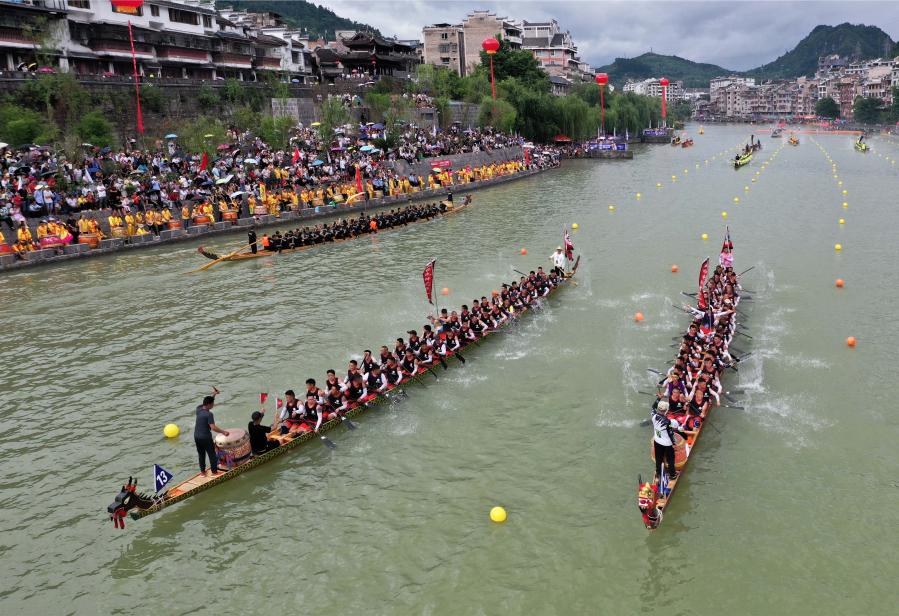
[358, 180]
[204, 162]
[703, 275]
[428, 276]
[296, 156]
[442, 164]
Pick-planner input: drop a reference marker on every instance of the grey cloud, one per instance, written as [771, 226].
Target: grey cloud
[737, 35]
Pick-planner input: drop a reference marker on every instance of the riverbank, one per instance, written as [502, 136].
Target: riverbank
[111, 246]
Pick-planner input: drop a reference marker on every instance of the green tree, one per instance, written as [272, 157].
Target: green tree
[517, 63]
[207, 98]
[94, 128]
[827, 108]
[276, 131]
[151, 98]
[19, 126]
[866, 110]
[499, 114]
[378, 104]
[245, 118]
[232, 91]
[193, 134]
[332, 115]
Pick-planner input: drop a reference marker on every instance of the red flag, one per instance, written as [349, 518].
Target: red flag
[527, 156]
[279, 403]
[358, 179]
[204, 162]
[262, 398]
[428, 276]
[296, 155]
[703, 275]
[569, 247]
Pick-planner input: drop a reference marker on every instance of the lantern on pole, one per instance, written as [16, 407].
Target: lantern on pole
[601, 80]
[132, 7]
[664, 83]
[491, 46]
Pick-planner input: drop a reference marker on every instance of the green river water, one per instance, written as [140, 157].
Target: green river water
[788, 507]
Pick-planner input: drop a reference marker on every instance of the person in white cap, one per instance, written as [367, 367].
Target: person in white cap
[559, 261]
[663, 438]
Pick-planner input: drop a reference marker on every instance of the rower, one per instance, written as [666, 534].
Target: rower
[375, 381]
[355, 390]
[368, 362]
[408, 365]
[331, 381]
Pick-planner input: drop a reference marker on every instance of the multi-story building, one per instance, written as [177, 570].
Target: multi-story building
[444, 45]
[652, 87]
[480, 25]
[554, 50]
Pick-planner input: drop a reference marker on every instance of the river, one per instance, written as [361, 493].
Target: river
[786, 507]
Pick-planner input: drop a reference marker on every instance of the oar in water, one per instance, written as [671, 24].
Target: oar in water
[344, 419]
[654, 371]
[746, 270]
[220, 259]
[520, 272]
[328, 442]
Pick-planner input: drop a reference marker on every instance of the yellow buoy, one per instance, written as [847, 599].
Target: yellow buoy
[639, 195]
[840, 183]
[498, 515]
[611, 208]
[658, 184]
[574, 226]
[746, 188]
[171, 430]
[736, 199]
[845, 192]
[674, 178]
[723, 214]
[842, 221]
[705, 236]
[838, 247]
[845, 205]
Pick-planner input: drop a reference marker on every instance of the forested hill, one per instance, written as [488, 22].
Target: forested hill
[317, 20]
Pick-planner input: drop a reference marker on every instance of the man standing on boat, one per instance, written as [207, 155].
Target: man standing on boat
[203, 430]
[559, 261]
[663, 439]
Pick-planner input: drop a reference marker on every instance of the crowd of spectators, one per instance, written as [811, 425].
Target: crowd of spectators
[244, 175]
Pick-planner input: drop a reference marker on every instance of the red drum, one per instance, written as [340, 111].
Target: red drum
[202, 220]
[175, 224]
[5, 248]
[229, 216]
[91, 239]
[51, 242]
[260, 210]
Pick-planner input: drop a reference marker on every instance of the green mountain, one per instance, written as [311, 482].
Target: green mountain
[857, 41]
[317, 20]
[693, 74]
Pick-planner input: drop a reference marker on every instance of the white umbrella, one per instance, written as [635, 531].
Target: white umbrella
[236, 194]
[3, 145]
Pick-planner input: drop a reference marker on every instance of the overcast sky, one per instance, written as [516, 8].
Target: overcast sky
[733, 34]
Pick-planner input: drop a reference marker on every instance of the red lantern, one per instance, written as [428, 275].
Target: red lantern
[491, 46]
[601, 80]
[664, 83]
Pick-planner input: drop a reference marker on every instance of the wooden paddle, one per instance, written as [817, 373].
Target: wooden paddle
[220, 259]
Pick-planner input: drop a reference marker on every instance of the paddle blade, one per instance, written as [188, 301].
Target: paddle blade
[328, 442]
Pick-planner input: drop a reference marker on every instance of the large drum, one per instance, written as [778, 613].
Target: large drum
[117, 231]
[379, 194]
[230, 216]
[175, 224]
[5, 248]
[260, 210]
[202, 220]
[51, 242]
[680, 451]
[91, 239]
[233, 449]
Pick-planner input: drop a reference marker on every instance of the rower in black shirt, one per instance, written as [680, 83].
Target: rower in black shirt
[368, 362]
[258, 434]
[391, 371]
[376, 382]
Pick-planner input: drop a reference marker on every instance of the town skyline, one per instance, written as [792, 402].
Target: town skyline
[737, 36]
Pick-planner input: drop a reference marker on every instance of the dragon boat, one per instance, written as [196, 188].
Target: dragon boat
[742, 160]
[130, 501]
[243, 254]
[652, 501]
[861, 146]
[686, 143]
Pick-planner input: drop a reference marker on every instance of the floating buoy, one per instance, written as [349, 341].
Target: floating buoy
[674, 178]
[850, 341]
[705, 236]
[840, 183]
[524, 251]
[444, 291]
[845, 192]
[639, 195]
[638, 317]
[574, 226]
[171, 430]
[723, 214]
[842, 221]
[840, 283]
[838, 247]
[753, 179]
[498, 515]
[746, 188]
[845, 205]
[736, 199]
[611, 208]
[674, 269]
[658, 184]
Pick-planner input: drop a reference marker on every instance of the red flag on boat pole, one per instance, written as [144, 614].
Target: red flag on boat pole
[262, 398]
[428, 276]
[204, 162]
[703, 275]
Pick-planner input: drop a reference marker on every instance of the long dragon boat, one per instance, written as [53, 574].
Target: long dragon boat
[243, 255]
[653, 499]
[139, 505]
[742, 160]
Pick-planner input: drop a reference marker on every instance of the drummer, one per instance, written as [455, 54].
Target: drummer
[259, 435]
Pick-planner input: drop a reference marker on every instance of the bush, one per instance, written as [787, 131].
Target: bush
[232, 91]
[151, 98]
[19, 126]
[276, 131]
[207, 98]
[245, 118]
[498, 113]
[95, 129]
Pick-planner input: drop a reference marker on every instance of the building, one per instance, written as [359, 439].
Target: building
[480, 25]
[444, 45]
[364, 52]
[652, 87]
[555, 51]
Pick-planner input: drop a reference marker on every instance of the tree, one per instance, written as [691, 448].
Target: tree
[499, 114]
[276, 131]
[19, 126]
[517, 63]
[207, 98]
[95, 128]
[827, 108]
[866, 110]
[894, 109]
[377, 104]
[333, 115]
